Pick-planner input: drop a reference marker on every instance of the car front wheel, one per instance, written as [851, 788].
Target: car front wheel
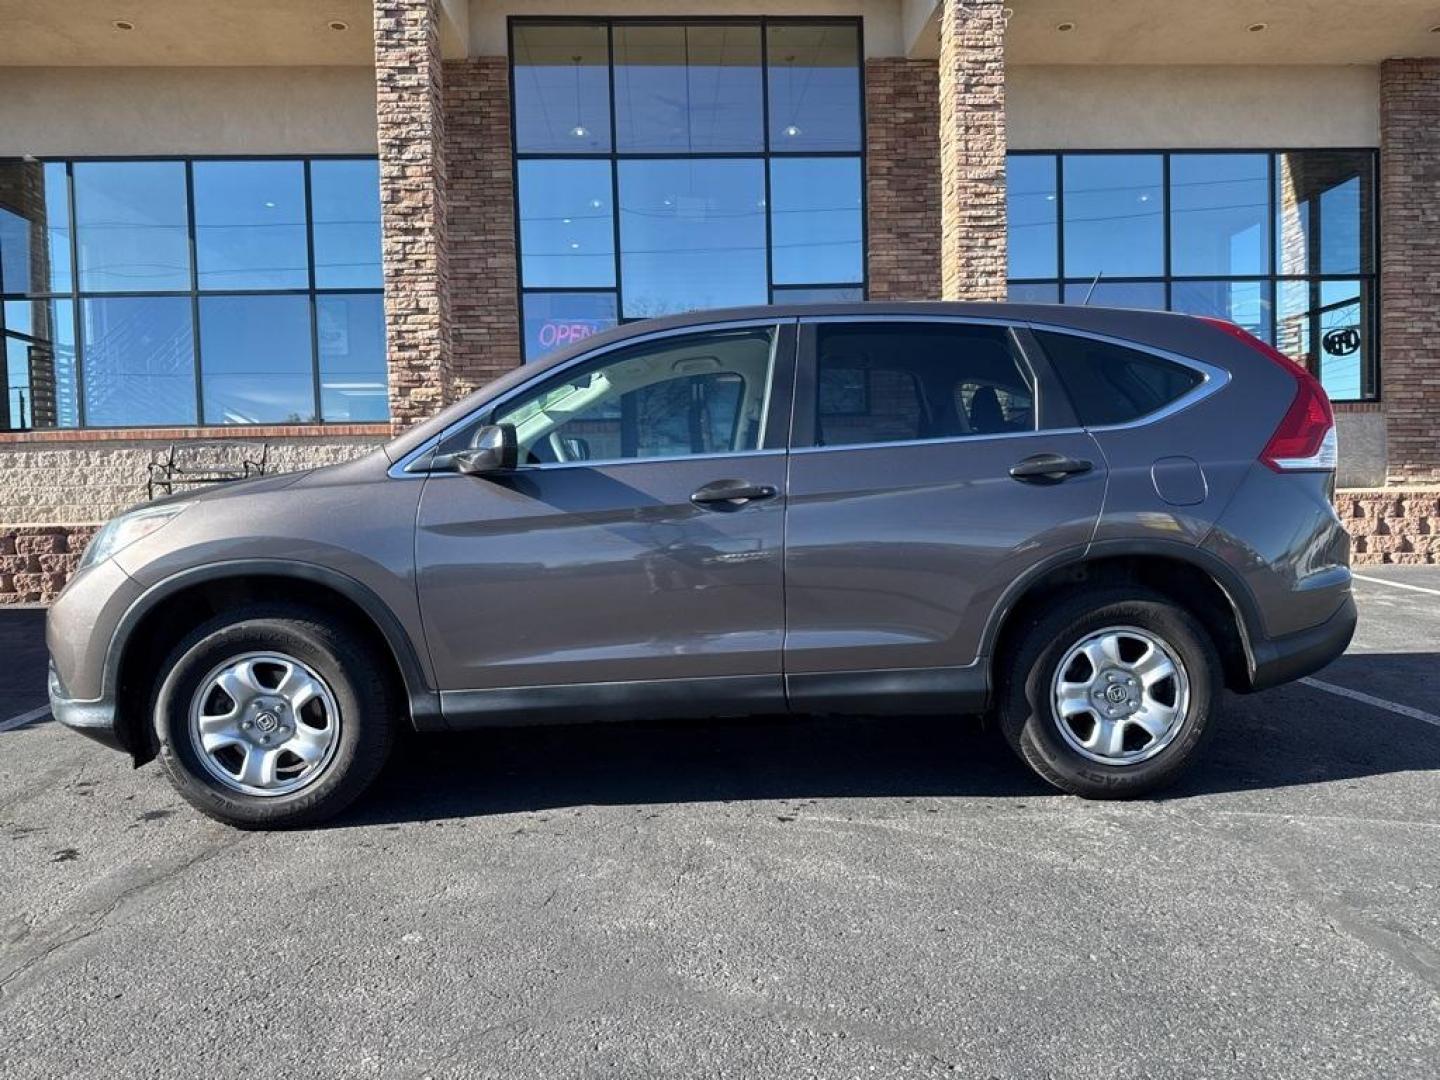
[1110, 692]
[272, 717]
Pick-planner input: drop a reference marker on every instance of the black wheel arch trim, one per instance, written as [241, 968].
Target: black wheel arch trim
[1236, 592]
[424, 702]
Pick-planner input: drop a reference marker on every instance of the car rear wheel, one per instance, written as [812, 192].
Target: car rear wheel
[271, 717]
[1110, 692]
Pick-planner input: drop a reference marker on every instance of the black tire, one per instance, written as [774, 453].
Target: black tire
[347, 663]
[1028, 720]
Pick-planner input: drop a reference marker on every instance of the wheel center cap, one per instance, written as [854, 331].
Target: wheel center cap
[267, 722]
[1117, 694]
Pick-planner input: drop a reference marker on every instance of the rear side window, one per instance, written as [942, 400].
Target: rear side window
[1110, 384]
[901, 382]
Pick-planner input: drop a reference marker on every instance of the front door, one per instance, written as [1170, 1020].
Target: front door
[638, 544]
[929, 471]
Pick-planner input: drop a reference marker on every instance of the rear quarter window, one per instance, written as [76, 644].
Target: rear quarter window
[1110, 384]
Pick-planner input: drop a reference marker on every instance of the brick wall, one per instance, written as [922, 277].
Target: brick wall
[972, 149]
[902, 175]
[37, 560]
[1410, 266]
[1392, 525]
[484, 318]
[410, 118]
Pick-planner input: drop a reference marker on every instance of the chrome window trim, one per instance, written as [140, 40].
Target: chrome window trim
[401, 470]
[549, 466]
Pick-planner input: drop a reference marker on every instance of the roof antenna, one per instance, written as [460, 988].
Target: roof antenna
[1091, 291]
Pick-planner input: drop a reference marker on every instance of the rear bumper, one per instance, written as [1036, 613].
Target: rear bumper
[95, 719]
[1285, 659]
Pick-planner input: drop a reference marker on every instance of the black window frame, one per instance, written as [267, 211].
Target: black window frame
[1371, 375]
[77, 296]
[614, 156]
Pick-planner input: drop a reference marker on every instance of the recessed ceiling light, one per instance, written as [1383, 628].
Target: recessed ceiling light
[338, 25]
[123, 24]
[1256, 27]
[1065, 27]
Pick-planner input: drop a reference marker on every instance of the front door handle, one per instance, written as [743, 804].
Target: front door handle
[1049, 468]
[730, 494]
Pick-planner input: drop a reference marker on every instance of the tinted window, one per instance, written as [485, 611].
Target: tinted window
[132, 226]
[878, 383]
[250, 225]
[815, 227]
[693, 89]
[345, 204]
[1110, 384]
[562, 89]
[814, 86]
[703, 394]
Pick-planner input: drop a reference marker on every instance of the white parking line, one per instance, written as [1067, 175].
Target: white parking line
[1394, 584]
[1371, 699]
[24, 718]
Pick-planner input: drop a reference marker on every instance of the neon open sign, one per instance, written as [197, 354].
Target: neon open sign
[554, 333]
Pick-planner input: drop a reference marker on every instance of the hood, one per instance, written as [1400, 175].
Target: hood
[205, 492]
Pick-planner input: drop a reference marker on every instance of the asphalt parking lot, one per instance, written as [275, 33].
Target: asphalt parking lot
[761, 898]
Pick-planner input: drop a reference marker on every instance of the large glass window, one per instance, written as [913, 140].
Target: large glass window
[209, 291]
[1281, 243]
[734, 175]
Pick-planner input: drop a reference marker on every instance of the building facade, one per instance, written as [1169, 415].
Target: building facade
[276, 233]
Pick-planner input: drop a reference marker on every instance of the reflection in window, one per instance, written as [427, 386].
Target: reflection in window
[1020, 292]
[1326, 325]
[567, 236]
[1114, 222]
[815, 220]
[132, 226]
[139, 365]
[250, 225]
[701, 394]
[1149, 295]
[692, 234]
[1282, 244]
[559, 320]
[1324, 210]
[34, 228]
[345, 205]
[1031, 215]
[814, 86]
[562, 88]
[350, 333]
[688, 88]
[1245, 303]
[252, 286]
[39, 358]
[255, 360]
[1218, 210]
[831, 294]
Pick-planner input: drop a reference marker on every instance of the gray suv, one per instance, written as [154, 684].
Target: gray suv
[1084, 521]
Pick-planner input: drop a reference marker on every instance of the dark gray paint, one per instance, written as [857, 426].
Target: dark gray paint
[876, 576]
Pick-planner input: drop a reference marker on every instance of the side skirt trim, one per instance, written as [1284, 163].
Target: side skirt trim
[580, 703]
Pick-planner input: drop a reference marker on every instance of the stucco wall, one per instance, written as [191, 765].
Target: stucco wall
[178, 110]
[1126, 107]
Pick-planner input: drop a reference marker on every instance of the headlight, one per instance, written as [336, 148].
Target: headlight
[124, 531]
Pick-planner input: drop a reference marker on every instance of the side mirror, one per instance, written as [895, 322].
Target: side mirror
[492, 450]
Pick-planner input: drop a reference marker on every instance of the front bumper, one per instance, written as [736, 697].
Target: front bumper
[95, 719]
[1285, 659]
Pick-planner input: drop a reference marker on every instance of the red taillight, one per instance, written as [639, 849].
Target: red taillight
[1305, 439]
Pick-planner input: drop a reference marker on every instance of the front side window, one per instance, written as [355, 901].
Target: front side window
[901, 382]
[734, 173]
[1280, 243]
[181, 292]
[676, 397]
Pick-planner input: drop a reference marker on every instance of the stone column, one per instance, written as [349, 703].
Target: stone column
[1410, 267]
[409, 107]
[485, 323]
[972, 149]
[902, 164]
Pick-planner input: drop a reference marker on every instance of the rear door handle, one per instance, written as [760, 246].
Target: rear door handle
[731, 494]
[1048, 468]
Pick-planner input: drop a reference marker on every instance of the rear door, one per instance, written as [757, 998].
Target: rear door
[932, 464]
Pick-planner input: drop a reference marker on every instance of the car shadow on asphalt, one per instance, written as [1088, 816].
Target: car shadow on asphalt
[1290, 736]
